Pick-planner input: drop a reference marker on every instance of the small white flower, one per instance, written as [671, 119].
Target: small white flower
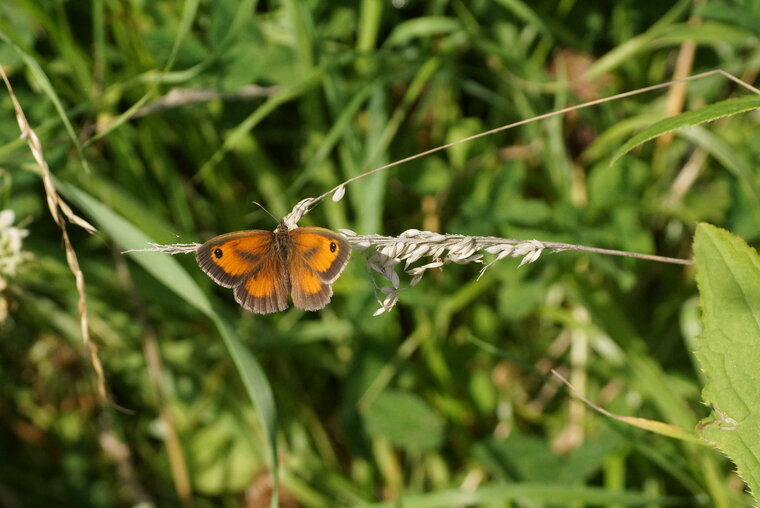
[11, 243]
[7, 217]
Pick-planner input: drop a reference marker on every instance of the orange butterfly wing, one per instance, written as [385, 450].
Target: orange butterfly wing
[316, 258]
[250, 262]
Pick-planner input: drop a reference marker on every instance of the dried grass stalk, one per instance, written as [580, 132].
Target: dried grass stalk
[62, 213]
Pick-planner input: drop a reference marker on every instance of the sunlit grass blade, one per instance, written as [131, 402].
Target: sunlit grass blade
[664, 429]
[259, 390]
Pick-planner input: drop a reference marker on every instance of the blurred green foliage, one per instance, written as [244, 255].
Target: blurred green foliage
[445, 400]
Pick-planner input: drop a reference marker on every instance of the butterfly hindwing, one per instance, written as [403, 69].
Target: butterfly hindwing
[265, 289]
[306, 287]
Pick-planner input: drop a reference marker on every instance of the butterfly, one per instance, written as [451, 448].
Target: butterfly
[265, 266]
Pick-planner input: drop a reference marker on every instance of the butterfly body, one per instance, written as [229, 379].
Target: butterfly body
[265, 267]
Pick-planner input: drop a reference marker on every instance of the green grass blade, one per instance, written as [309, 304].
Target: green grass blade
[727, 13]
[695, 117]
[561, 495]
[338, 129]
[42, 80]
[164, 268]
[405, 32]
[522, 11]
[167, 270]
[312, 79]
[630, 48]
[703, 34]
[189, 11]
[259, 391]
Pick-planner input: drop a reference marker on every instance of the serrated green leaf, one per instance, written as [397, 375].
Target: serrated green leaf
[728, 275]
[706, 114]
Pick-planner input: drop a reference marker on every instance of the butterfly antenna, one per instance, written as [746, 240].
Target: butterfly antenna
[267, 211]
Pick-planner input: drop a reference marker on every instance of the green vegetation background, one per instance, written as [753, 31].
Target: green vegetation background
[447, 399]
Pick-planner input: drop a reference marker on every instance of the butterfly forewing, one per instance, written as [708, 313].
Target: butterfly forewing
[229, 258]
[324, 251]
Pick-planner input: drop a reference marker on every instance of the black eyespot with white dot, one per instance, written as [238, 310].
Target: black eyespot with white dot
[218, 253]
[333, 246]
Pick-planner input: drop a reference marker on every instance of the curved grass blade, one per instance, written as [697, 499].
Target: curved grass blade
[338, 128]
[706, 114]
[167, 270]
[421, 28]
[664, 429]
